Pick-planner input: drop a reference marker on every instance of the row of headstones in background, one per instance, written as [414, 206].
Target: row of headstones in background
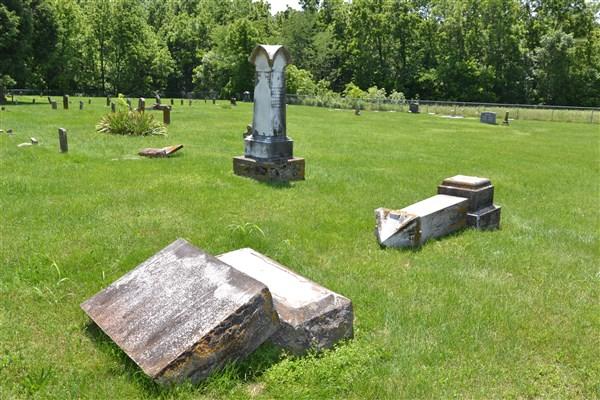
[268, 151]
[461, 201]
[183, 313]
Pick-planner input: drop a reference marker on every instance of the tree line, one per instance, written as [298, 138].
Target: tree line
[510, 51]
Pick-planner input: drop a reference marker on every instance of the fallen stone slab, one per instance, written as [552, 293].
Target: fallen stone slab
[412, 226]
[182, 314]
[160, 152]
[311, 316]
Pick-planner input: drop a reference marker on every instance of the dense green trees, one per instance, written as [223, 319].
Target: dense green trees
[536, 51]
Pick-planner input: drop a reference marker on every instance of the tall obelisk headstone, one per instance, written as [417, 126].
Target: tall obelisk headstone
[268, 154]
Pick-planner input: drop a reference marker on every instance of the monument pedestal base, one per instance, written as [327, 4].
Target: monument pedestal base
[269, 171]
[485, 219]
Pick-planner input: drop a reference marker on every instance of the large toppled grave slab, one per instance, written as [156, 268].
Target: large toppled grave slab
[311, 316]
[413, 225]
[182, 314]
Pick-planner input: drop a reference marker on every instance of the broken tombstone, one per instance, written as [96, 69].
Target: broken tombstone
[412, 226]
[160, 152]
[461, 201]
[182, 314]
[310, 315]
[482, 213]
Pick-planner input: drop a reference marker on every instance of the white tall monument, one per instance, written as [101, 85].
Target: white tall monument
[268, 153]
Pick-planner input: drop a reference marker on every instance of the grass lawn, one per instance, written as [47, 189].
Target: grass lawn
[513, 313]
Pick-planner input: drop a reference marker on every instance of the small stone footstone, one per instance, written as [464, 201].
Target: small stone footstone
[160, 152]
[481, 211]
[182, 314]
[33, 140]
[412, 226]
[310, 315]
[488, 117]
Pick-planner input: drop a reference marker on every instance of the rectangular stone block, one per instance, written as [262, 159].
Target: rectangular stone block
[412, 226]
[414, 108]
[311, 316]
[485, 219]
[488, 117]
[479, 191]
[269, 171]
[182, 314]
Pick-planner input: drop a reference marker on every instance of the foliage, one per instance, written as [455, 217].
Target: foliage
[130, 123]
[467, 50]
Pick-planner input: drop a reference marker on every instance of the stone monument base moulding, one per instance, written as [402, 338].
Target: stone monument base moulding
[269, 171]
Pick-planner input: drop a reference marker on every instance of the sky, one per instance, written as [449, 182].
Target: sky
[280, 5]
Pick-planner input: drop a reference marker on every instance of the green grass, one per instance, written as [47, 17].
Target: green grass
[513, 313]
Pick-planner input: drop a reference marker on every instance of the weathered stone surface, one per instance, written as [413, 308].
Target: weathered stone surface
[488, 117]
[182, 314]
[479, 191]
[54, 105]
[270, 171]
[311, 316]
[66, 101]
[413, 108]
[62, 140]
[160, 152]
[413, 225]
[487, 218]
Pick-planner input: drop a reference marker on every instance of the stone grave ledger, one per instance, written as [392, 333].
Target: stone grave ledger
[310, 315]
[268, 151]
[412, 226]
[182, 314]
[482, 213]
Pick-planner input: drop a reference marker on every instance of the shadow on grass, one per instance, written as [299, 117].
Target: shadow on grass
[231, 375]
[277, 185]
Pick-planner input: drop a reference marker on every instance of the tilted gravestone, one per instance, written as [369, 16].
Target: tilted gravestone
[488, 117]
[66, 101]
[462, 201]
[182, 314]
[311, 316]
[268, 154]
[49, 100]
[62, 140]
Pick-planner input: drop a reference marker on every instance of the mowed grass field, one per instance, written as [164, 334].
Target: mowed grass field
[513, 313]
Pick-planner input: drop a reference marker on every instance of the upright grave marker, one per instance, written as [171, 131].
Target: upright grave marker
[107, 101]
[488, 117]
[80, 105]
[62, 140]
[66, 102]
[54, 105]
[113, 107]
[268, 154]
[141, 105]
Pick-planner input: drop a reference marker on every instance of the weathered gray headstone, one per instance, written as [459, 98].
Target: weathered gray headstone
[166, 115]
[414, 225]
[481, 211]
[311, 316]
[80, 105]
[54, 105]
[62, 140]
[66, 101]
[246, 96]
[107, 101]
[233, 101]
[183, 313]
[413, 107]
[505, 122]
[141, 104]
[181, 102]
[268, 153]
[172, 102]
[113, 107]
[488, 117]
[157, 98]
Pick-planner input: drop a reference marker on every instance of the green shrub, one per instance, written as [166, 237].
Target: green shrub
[131, 123]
